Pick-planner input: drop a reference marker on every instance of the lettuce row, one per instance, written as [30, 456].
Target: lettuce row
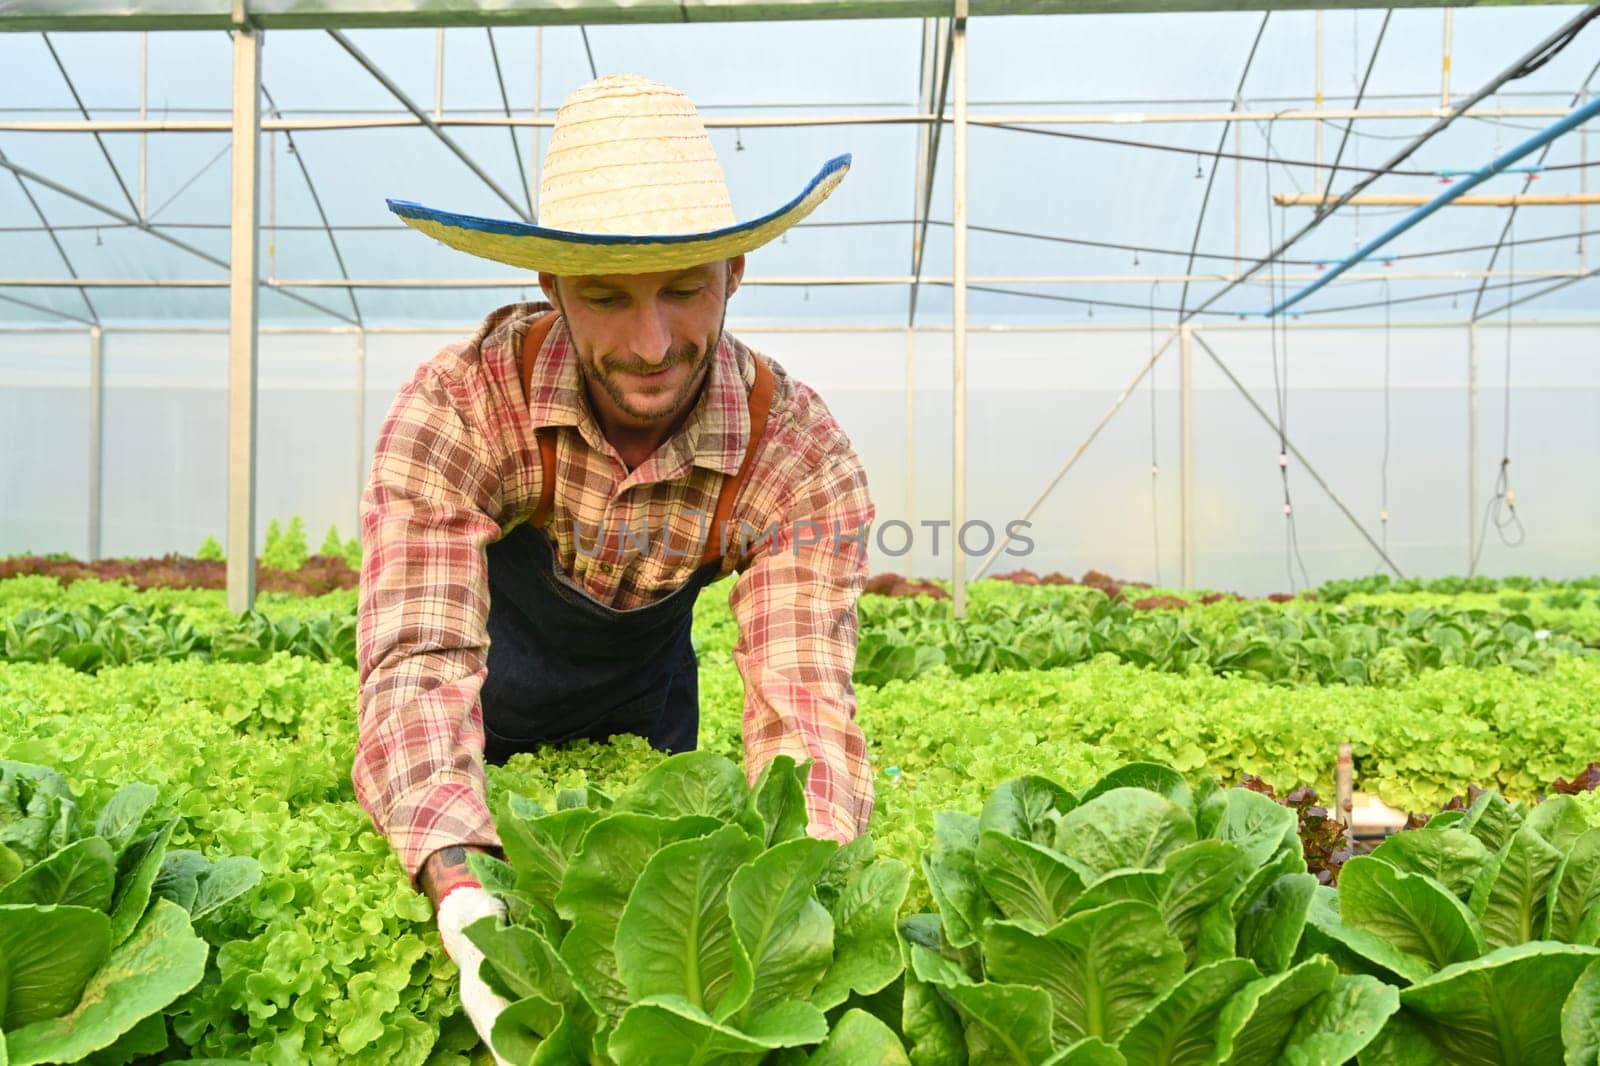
[902, 639]
[1146, 921]
[689, 920]
[1488, 920]
[97, 939]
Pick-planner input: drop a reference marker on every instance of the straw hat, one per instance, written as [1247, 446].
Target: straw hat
[631, 185]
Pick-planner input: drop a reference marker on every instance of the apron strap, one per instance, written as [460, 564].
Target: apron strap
[760, 405]
[532, 341]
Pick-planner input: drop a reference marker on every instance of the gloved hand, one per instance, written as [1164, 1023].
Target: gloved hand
[461, 907]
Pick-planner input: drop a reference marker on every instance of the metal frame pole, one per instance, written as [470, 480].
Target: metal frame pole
[1316, 130]
[1444, 66]
[1238, 196]
[1186, 447]
[1472, 445]
[243, 279]
[438, 75]
[361, 422]
[536, 166]
[144, 113]
[96, 433]
[958, 316]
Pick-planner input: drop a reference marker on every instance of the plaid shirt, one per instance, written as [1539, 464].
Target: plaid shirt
[457, 467]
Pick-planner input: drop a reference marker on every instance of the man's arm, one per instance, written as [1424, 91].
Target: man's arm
[427, 514]
[796, 610]
[446, 869]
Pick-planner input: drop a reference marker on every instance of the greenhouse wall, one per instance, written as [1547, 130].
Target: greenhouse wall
[1033, 399]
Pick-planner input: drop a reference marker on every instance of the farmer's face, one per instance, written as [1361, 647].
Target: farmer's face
[645, 341]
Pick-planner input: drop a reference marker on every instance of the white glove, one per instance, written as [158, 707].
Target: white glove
[459, 909]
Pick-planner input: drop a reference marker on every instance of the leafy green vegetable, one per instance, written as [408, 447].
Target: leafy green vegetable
[1180, 1029]
[684, 921]
[1412, 912]
[1505, 1007]
[1102, 968]
[160, 961]
[50, 953]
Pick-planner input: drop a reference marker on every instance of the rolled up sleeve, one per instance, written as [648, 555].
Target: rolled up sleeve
[429, 510]
[795, 604]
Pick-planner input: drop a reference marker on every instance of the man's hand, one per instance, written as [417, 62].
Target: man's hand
[459, 901]
[444, 870]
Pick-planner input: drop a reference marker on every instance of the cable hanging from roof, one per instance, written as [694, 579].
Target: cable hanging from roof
[1280, 394]
[1383, 468]
[1502, 507]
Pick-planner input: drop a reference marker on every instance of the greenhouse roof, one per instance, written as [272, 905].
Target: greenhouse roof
[1123, 167]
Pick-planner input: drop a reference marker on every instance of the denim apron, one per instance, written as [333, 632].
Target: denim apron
[563, 666]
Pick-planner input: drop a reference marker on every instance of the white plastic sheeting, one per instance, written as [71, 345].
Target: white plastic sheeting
[1114, 212]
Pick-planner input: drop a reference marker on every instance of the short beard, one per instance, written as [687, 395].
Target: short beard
[684, 353]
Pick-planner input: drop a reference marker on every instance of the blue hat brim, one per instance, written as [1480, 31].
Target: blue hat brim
[566, 253]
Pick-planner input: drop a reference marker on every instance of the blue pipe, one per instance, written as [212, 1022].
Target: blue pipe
[1507, 170]
[1476, 178]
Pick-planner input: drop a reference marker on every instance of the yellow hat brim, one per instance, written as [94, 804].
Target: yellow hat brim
[569, 254]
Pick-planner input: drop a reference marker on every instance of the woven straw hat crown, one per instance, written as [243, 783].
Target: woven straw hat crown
[631, 185]
[629, 155]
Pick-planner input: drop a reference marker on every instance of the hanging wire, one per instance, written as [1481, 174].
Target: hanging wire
[1278, 285]
[1155, 467]
[1502, 507]
[1383, 475]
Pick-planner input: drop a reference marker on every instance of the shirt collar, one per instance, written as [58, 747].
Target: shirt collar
[714, 436]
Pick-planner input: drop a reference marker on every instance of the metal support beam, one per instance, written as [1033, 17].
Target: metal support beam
[958, 306]
[316, 201]
[1211, 179]
[140, 224]
[781, 281]
[97, 392]
[1361, 93]
[242, 318]
[759, 328]
[1488, 199]
[1186, 446]
[767, 121]
[55, 238]
[1316, 102]
[42, 309]
[361, 423]
[1299, 458]
[1478, 177]
[438, 74]
[1507, 74]
[538, 112]
[1578, 99]
[372, 14]
[105, 153]
[144, 113]
[1444, 63]
[417, 113]
[1585, 276]
[505, 103]
[934, 86]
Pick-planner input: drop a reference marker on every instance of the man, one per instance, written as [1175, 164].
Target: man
[548, 498]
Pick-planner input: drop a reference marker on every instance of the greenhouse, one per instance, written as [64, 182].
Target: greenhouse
[466, 600]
